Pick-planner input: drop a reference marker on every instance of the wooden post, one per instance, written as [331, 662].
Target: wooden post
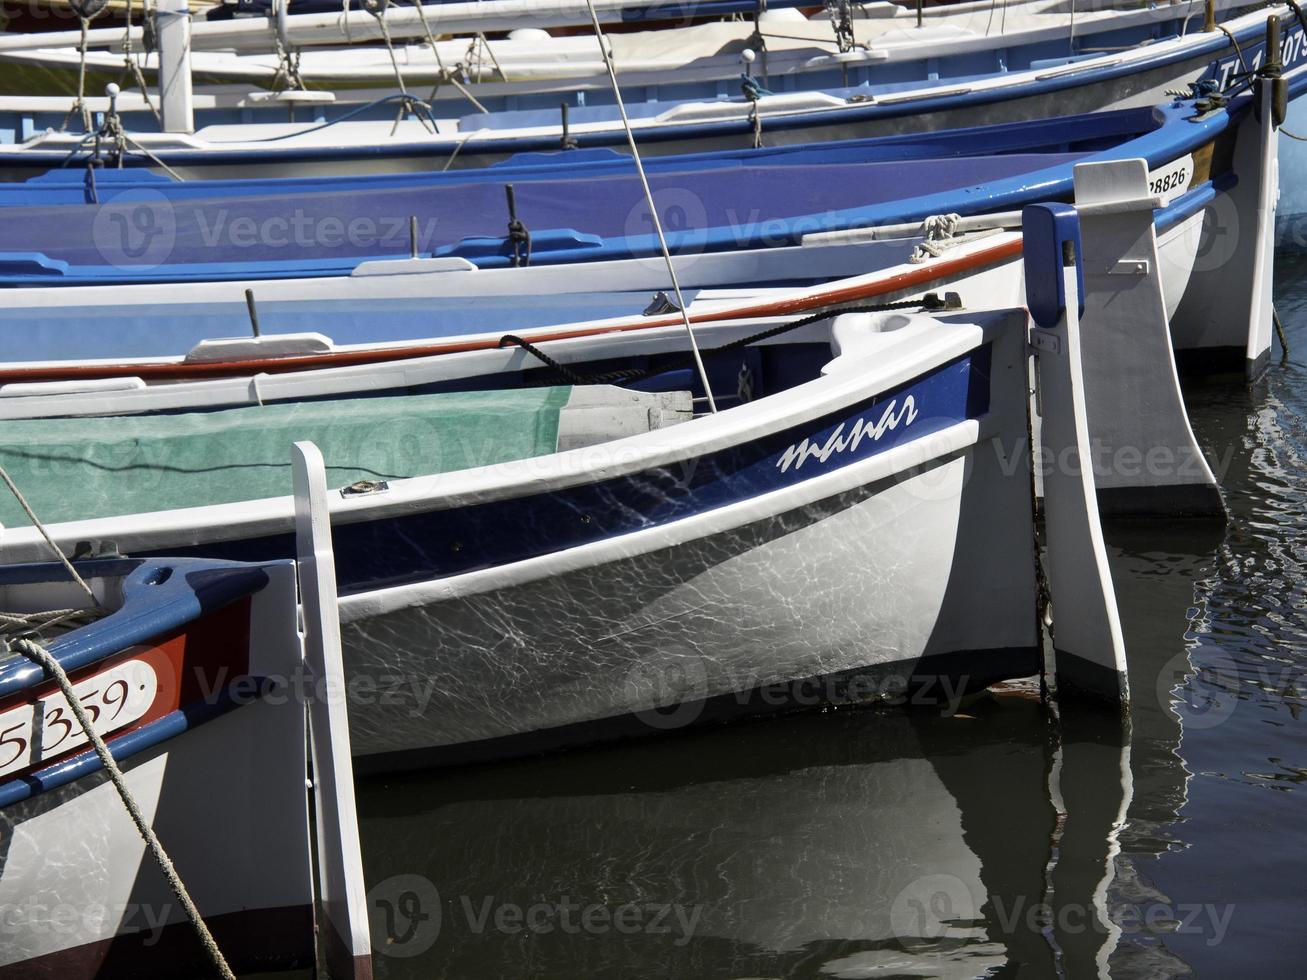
[1147, 461]
[1088, 646]
[345, 935]
[173, 25]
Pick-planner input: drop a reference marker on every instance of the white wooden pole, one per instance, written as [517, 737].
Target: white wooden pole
[173, 25]
[345, 934]
[1088, 645]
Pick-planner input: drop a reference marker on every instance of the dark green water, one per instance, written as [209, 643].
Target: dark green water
[904, 844]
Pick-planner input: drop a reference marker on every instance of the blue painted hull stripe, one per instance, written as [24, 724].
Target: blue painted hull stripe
[122, 748]
[1178, 135]
[153, 604]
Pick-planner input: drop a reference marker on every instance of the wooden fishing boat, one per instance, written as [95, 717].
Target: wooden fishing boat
[158, 669]
[1214, 163]
[180, 843]
[891, 443]
[531, 61]
[907, 98]
[143, 237]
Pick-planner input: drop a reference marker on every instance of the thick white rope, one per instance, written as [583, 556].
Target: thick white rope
[939, 230]
[653, 210]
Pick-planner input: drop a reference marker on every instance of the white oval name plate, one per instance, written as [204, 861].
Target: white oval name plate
[40, 731]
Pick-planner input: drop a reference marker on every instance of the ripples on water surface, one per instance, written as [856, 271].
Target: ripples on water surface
[903, 844]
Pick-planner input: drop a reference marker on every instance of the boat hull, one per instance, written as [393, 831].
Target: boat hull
[81, 894]
[876, 520]
[979, 96]
[864, 597]
[215, 768]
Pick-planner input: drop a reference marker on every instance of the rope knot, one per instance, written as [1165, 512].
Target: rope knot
[940, 227]
[751, 89]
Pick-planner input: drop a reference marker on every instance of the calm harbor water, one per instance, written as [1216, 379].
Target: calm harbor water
[908, 844]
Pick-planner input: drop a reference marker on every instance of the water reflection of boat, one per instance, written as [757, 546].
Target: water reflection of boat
[854, 844]
[1155, 569]
[843, 844]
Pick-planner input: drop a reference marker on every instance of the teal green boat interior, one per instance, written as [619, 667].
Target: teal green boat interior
[79, 468]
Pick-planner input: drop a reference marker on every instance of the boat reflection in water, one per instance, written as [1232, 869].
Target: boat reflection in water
[846, 844]
[1158, 572]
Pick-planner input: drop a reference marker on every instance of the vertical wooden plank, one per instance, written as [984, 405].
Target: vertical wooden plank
[1147, 461]
[1087, 641]
[344, 933]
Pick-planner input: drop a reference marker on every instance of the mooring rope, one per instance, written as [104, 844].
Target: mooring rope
[1243, 62]
[653, 209]
[445, 74]
[86, 11]
[1279, 332]
[54, 548]
[1302, 22]
[288, 77]
[377, 8]
[41, 656]
[133, 64]
[640, 374]
[490, 53]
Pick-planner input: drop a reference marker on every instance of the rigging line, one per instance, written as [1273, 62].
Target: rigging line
[134, 64]
[653, 209]
[40, 527]
[445, 74]
[46, 660]
[490, 53]
[796, 37]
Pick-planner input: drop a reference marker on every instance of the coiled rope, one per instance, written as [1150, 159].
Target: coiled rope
[939, 228]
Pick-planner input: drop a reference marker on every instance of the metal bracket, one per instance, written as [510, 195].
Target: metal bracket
[1045, 340]
[1130, 267]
